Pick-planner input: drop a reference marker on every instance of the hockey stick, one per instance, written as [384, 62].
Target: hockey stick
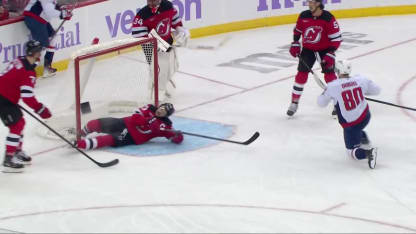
[390, 104]
[315, 76]
[73, 6]
[107, 164]
[249, 141]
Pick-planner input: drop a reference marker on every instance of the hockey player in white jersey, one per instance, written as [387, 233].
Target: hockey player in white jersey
[353, 112]
[38, 14]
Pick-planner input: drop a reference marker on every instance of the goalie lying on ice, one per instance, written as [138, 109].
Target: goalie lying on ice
[145, 124]
[161, 20]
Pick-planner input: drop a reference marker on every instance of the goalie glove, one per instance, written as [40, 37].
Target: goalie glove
[66, 13]
[43, 112]
[181, 36]
[177, 138]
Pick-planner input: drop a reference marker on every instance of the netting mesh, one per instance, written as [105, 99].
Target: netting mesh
[112, 84]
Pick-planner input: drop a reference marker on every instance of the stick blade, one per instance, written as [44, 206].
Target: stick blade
[109, 164]
[252, 139]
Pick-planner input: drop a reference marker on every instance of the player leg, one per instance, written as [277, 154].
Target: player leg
[39, 32]
[96, 142]
[168, 66]
[352, 138]
[103, 125]
[301, 79]
[365, 141]
[115, 140]
[12, 117]
[21, 155]
[50, 52]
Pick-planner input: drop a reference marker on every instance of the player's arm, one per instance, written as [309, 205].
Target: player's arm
[181, 33]
[28, 97]
[334, 35]
[163, 129]
[139, 29]
[371, 88]
[169, 133]
[324, 99]
[297, 33]
[50, 9]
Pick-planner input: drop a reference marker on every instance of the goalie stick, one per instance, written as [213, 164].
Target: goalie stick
[107, 164]
[247, 142]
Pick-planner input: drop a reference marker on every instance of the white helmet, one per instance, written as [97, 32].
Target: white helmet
[343, 67]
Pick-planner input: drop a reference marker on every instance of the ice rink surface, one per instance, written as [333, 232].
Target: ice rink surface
[295, 178]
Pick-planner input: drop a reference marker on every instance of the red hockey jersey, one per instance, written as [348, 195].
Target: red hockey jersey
[166, 18]
[18, 81]
[318, 33]
[138, 125]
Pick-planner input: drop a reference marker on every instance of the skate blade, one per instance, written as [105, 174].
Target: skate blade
[12, 170]
[25, 163]
[48, 75]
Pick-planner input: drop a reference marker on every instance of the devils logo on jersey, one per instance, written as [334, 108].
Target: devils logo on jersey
[313, 34]
[163, 27]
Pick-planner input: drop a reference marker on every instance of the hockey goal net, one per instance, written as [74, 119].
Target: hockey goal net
[109, 79]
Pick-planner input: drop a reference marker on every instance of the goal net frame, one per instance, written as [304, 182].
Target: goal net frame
[77, 76]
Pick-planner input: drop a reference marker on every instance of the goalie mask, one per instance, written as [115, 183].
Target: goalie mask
[165, 110]
[154, 5]
[343, 67]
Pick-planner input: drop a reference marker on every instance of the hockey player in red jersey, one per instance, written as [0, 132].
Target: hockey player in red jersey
[145, 124]
[18, 82]
[161, 16]
[321, 37]
[161, 20]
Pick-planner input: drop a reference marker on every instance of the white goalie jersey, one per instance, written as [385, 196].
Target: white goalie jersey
[348, 95]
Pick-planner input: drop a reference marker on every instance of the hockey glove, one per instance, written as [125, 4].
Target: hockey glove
[181, 36]
[295, 49]
[177, 139]
[43, 112]
[66, 14]
[328, 62]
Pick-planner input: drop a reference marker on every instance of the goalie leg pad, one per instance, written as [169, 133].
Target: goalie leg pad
[168, 66]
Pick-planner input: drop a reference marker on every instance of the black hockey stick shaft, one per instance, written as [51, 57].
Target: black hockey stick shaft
[390, 104]
[249, 141]
[108, 164]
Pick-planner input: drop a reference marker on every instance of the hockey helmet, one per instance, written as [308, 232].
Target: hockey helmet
[343, 67]
[322, 6]
[168, 108]
[33, 47]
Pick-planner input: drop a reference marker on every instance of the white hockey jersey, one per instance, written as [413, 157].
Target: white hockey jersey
[42, 10]
[348, 95]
